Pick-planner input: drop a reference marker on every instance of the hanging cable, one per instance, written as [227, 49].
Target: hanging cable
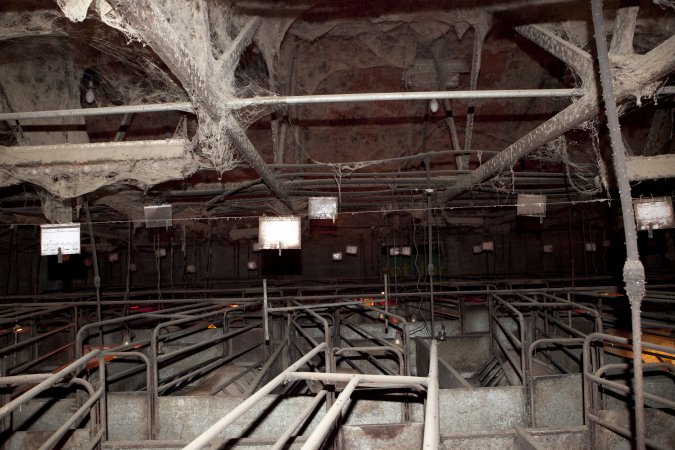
[97, 276]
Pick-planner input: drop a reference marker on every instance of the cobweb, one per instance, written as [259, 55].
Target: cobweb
[580, 176]
[56, 211]
[213, 147]
[342, 170]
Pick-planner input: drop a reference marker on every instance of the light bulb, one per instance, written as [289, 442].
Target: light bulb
[433, 105]
[89, 96]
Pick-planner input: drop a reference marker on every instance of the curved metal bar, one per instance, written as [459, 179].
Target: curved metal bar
[47, 383]
[149, 383]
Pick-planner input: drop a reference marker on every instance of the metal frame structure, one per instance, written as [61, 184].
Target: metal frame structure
[95, 406]
[317, 437]
[593, 375]
[545, 315]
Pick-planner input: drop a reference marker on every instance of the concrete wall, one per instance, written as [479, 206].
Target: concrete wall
[484, 409]
[465, 353]
[575, 438]
[558, 401]
[185, 417]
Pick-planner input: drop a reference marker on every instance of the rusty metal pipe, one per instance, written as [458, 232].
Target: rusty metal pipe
[633, 271]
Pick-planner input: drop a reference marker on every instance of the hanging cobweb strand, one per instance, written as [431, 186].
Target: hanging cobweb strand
[247, 87]
[213, 146]
[600, 180]
[341, 170]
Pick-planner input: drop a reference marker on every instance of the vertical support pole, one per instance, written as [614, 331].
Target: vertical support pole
[432, 416]
[386, 302]
[97, 276]
[430, 267]
[633, 270]
[264, 311]
[103, 408]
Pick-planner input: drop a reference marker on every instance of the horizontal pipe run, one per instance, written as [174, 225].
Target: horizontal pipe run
[214, 430]
[274, 100]
[403, 96]
[102, 111]
[383, 380]
[84, 330]
[215, 301]
[315, 440]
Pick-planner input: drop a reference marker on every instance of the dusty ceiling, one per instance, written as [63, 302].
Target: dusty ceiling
[227, 160]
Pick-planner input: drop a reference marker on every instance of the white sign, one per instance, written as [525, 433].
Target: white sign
[63, 237]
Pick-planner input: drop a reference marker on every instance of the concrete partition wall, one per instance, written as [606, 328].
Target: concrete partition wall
[383, 437]
[448, 376]
[660, 428]
[476, 319]
[186, 417]
[558, 401]
[552, 439]
[482, 409]
[466, 354]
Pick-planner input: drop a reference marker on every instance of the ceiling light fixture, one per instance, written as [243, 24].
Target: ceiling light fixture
[279, 233]
[654, 213]
[89, 96]
[322, 208]
[158, 216]
[531, 205]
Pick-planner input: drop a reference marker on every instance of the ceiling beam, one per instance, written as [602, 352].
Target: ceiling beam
[87, 153]
[635, 75]
[650, 167]
[71, 170]
[208, 81]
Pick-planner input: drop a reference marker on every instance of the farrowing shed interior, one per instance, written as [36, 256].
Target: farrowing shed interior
[337, 224]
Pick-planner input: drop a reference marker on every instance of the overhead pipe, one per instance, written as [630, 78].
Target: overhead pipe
[633, 270]
[279, 100]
